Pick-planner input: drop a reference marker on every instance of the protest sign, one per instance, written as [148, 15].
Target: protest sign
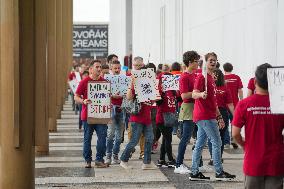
[145, 85]
[119, 83]
[275, 78]
[99, 111]
[78, 76]
[73, 85]
[170, 82]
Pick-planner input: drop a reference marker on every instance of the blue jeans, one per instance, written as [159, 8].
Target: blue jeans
[185, 137]
[207, 128]
[137, 130]
[101, 131]
[114, 132]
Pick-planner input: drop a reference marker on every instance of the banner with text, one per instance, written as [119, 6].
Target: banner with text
[275, 78]
[90, 40]
[99, 92]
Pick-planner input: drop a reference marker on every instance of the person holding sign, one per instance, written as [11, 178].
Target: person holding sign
[140, 124]
[74, 76]
[205, 114]
[101, 129]
[186, 83]
[115, 129]
[263, 144]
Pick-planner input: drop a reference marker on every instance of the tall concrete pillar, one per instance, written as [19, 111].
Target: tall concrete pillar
[17, 97]
[51, 65]
[59, 60]
[41, 117]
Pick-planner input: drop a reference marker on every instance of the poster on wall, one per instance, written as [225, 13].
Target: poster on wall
[275, 78]
[90, 40]
[99, 111]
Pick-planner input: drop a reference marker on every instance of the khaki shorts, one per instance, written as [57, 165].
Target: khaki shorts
[186, 111]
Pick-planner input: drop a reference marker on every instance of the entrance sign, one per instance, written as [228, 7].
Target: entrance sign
[99, 111]
[275, 78]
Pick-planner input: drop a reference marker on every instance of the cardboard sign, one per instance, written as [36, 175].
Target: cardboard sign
[170, 82]
[73, 85]
[145, 85]
[275, 78]
[119, 83]
[99, 111]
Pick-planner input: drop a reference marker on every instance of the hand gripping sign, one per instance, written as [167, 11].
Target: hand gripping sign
[99, 111]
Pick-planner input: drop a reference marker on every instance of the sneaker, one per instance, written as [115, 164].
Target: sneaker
[210, 162]
[235, 146]
[88, 165]
[162, 163]
[132, 152]
[172, 164]
[182, 169]
[115, 159]
[198, 176]
[148, 166]
[99, 164]
[125, 165]
[205, 169]
[224, 176]
[141, 156]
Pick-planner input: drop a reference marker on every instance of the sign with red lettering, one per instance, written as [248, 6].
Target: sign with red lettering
[99, 111]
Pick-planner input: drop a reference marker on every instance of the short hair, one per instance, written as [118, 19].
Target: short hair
[160, 66]
[75, 66]
[228, 67]
[138, 58]
[95, 61]
[110, 57]
[261, 75]
[210, 54]
[220, 78]
[85, 72]
[166, 68]
[176, 66]
[151, 65]
[105, 66]
[189, 57]
[116, 62]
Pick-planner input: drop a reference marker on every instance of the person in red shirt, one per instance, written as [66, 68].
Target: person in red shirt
[251, 87]
[101, 129]
[115, 129]
[224, 101]
[205, 114]
[140, 124]
[166, 105]
[263, 143]
[235, 86]
[186, 83]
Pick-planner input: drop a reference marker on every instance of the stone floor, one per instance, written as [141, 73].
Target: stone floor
[64, 166]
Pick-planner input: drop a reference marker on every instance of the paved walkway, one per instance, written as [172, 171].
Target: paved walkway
[64, 167]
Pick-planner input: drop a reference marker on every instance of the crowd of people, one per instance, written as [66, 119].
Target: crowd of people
[208, 105]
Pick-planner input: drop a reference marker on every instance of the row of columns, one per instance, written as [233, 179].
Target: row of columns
[35, 56]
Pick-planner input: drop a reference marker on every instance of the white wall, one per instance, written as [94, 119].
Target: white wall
[244, 32]
[117, 28]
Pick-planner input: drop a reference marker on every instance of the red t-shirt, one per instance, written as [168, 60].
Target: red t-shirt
[82, 90]
[234, 83]
[168, 104]
[144, 116]
[116, 101]
[186, 84]
[205, 109]
[223, 96]
[71, 76]
[264, 145]
[251, 85]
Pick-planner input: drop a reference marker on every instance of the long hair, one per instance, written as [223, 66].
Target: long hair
[220, 81]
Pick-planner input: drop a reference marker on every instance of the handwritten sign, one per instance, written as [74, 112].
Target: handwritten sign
[275, 78]
[73, 85]
[99, 111]
[145, 85]
[170, 82]
[78, 76]
[119, 83]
